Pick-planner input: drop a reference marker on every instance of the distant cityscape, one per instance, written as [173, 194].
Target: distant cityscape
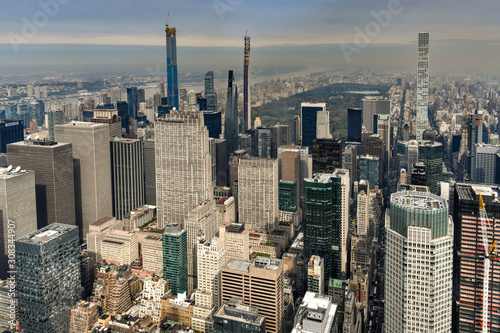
[249, 201]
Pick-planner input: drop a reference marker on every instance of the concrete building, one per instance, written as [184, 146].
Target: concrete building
[202, 220]
[175, 263]
[316, 314]
[419, 263]
[179, 309]
[316, 275]
[149, 173]
[152, 253]
[183, 165]
[97, 233]
[235, 240]
[54, 117]
[484, 165]
[258, 193]
[211, 257]
[83, 317]
[52, 163]
[49, 255]
[120, 247]
[323, 125]
[373, 105]
[91, 169]
[290, 168]
[127, 172]
[422, 84]
[305, 163]
[153, 290]
[258, 283]
[17, 203]
[227, 210]
[363, 208]
[235, 316]
[111, 118]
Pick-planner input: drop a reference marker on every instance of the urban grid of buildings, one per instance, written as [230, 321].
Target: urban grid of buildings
[177, 214]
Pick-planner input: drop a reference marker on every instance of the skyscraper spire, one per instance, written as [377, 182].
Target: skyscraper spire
[172, 80]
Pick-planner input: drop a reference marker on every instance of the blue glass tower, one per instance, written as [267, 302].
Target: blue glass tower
[308, 114]
[172, 80]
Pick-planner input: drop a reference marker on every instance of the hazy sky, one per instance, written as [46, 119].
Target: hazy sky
[116, 34]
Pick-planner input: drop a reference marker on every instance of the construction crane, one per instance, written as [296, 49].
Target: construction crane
[488, 253]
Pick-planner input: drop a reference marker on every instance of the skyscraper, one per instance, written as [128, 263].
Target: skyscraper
[55, 116]
[308, 116]
[373, 105]
[91, 169]
[132, 102]
[431, 154]
[172, 79]
[48, 280]
[247, 102]
[354, 124]
[127, 172]
[149, 172]
[323, 125]
[422, 84]
[419, 264]
[258, 193]
[10, 131]
[327, 155]
[175, 258]
[17, 202]
[468, 270]
[52, 163]
[183, 165]
[231, 115]
[369, 169]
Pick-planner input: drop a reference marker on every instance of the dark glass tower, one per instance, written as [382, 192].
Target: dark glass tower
[431, 154]
[175, 258]
[132, 101]
[327, 155]
[308, 115]
[10, 131]
[287, 195]
[213, 121]
[231, 117]
[354, 122]
[172, 80]
[322, 222]
[210, 94]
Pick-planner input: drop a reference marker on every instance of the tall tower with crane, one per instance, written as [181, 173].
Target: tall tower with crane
[247, 108]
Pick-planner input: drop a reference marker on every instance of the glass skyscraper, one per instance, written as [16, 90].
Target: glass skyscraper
[175, 258]
[48, 277]
[172, 79]
[431, 153]
[210, 94]
[231, 117]
[308, 115]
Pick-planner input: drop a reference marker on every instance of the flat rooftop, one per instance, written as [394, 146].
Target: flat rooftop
[4, 174]
[47, 233]
[39, 144]
[81, 124]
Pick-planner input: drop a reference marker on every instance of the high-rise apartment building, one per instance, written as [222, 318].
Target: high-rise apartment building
[127, 170]
[183, 165]
[419, 264]
[91, 169]
[175, 263]
[247, 97]
[48, 277]
[52, 163]
[231, 115]
[258, 283]
[309, 118]
[468, 270]
[258, 192]
[422, 84]
[83, 317]
[54, 117]
[172, 78]
[201, 221]
[363, 208]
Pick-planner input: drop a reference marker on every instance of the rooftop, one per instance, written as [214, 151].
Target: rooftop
[47, 233]
[6, 173]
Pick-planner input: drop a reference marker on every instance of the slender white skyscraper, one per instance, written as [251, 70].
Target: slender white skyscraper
[419, 261]
[422, 83]
[183, 165]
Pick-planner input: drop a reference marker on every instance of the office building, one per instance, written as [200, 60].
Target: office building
[97, 233]
[316, 314]
[485, 163]
[226, 206]
[202, 220]
[210, 94]
[327, 155]
[108, 116]
[54, 117]
[373, 105]
[287, 196]
[422, 84]
[235, 240]
[323, 125]
[17, 203]
[83, 317]
[172, 78]
[175, 265]
[52, 164]
[10, 131]
[468, 270]
[418, 176]
[152, 253]
[373, 144]
[350, 161]
[296, 131]
[419, 264]
[235, 316]
[49, 255]
[231, 115]
[337, 290]
[369, 169]
[363, 208]
[127, 172]
[258, 283]
[179, 309]
[431, 154]
[183, 165]
[123, 113]
[92, 170]
[354, 124]
[305, 164]
[211, 257]
[120, 247]
[149, 172]
[258, 193]
[213, 121]
[133, 104]
[309, 118]
[290, 169]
